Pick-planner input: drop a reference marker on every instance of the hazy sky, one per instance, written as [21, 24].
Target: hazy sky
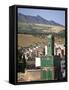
[55, 15]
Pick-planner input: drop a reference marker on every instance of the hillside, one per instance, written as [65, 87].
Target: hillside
[25, 40]
[36, 19]
[38, 25]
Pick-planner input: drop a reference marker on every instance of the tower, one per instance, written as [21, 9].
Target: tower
[50, 45]
[47, 62]
[50, 64]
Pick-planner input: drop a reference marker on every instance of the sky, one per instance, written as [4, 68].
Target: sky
[55, 15]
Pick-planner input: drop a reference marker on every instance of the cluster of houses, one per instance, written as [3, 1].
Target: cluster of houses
[59, 50]
[39, 51]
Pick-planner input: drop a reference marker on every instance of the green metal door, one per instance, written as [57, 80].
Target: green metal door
[47, 75]
[43, 75]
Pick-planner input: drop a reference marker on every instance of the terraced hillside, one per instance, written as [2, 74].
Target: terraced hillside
[40, 29]
[25, 40]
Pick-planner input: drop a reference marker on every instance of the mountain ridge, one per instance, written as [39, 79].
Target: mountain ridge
[36, 19]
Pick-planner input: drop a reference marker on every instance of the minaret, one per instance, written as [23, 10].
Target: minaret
[47, 62]
[50, 45]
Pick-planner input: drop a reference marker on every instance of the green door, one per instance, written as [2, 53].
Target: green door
[43, 75]
[47, 75]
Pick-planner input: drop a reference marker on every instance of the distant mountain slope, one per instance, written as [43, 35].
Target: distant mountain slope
[36, 19]
[38, 25]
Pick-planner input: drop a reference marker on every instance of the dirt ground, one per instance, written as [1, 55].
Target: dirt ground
[29, 75]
